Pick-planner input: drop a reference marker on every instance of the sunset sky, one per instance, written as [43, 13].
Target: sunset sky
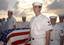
[24, 7]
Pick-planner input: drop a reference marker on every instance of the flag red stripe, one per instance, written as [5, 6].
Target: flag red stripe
[17, 34]
[19, 42]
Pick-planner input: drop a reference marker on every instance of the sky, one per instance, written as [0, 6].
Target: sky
[57, 4]
[9, 4]
[3, 4]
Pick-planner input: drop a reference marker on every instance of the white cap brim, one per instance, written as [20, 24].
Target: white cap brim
[37, 4]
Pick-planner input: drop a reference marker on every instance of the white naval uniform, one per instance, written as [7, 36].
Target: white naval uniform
[59, 27]
[11, 22]
[55, 37]
[39, 26]
[24, 25]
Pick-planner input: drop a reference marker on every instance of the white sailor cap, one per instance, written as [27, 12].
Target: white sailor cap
[37, 4]
[53, 17]
[10, 10]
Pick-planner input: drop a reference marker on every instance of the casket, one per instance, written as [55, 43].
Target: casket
[19, 37]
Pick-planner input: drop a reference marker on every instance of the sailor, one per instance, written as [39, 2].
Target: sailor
[10, 26]
[53, 20]
[24, 24]
[54, 37]
[40, 26]
[3, 24]
[61, 26]
[11, 21]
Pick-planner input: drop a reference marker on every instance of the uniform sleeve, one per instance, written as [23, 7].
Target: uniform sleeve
[48, 25]
[14, 21]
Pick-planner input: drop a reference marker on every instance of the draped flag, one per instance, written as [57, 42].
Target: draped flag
[18, 37]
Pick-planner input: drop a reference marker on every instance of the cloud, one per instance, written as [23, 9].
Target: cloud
[7, 4]
[3, 4]
[11, 3]
[56, 5]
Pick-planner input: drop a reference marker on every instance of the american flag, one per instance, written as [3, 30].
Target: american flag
[16, 37]
[4, 34]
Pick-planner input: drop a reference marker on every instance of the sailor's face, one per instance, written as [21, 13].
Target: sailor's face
[53, 21]
[37, 9]
[9, 14]
[23, 19]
